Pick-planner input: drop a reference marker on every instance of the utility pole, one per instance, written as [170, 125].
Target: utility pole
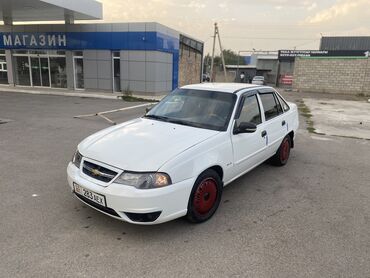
[217, 34]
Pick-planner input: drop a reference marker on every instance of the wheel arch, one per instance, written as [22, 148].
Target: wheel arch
[291, 135]
[218, 169]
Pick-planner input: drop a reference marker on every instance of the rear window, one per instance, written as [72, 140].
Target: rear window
[283, 103]
[270, 106]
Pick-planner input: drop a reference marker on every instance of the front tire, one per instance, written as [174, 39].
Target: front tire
[205, 197]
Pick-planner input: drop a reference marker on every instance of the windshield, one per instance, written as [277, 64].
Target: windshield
[258, 78]
[197, 108]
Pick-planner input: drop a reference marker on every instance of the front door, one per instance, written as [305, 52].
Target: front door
[249, 147]
[40, 72]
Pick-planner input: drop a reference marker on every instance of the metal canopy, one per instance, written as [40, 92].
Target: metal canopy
[49, 10]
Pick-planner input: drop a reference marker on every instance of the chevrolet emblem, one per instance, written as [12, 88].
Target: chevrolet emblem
[95, 172]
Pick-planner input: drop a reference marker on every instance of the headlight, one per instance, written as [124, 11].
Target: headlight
[144, 180]
[76, 160]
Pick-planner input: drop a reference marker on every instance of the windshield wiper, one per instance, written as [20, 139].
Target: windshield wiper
[156, 117]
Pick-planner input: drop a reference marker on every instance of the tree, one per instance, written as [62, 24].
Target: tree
[231, 58]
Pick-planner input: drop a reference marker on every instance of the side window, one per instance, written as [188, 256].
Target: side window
[270, 106]
[250, 111]
[283, 103]
[279, 108]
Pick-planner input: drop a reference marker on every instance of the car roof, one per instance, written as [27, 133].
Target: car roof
[221, 87]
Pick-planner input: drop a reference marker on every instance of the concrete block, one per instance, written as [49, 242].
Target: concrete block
[104, 69]
[42, 28]
[125, 85]
[91, 83]
[151, 27]
[73, 28]
[150, 87]
[160, 87]
[136, 27]
[124, 55]
[169, 86]
[161, 28]
[138, 56]
[88, 27]
[58, 28]
[152, 56]
[105, 84]
[104, 27]
[90, 55]
[137, 71]
[18, 28]
[105, 55]
[151, 72]
[6, 28]
[90, 69]
[137, 86]
[124, 70]
[120, 27]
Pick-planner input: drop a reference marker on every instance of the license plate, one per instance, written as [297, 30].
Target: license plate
[92, 196]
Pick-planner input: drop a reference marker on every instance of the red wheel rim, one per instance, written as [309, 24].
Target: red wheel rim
[285, 150]
[205, 196]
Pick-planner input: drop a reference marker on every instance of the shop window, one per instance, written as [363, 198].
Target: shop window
[22, 67]
[79, 72]
[3, 71]
[58, 73]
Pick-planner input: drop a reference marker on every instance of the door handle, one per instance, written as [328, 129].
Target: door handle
[283, 123]
[264, 133]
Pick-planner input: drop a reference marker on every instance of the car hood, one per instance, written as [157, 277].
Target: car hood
[142, 144]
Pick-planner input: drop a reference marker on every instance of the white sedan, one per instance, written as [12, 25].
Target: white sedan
[175, 160]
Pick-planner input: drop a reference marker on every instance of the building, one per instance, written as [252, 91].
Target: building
[341, 66]
[345, 43]
[261, 63]
[143, 58]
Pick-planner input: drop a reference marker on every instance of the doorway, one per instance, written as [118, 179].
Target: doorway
[40, 71]
[116, 72]
[78, 68]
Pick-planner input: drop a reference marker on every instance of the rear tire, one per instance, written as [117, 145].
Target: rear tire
[282, 155]
[205, 197]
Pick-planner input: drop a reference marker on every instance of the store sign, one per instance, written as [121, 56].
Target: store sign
[290, 55]
[25, 40]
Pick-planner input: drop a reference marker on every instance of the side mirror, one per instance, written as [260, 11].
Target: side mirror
[245, 127]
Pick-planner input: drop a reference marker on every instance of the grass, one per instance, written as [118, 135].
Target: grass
[136, 99]
[306, 112]
[127, 96]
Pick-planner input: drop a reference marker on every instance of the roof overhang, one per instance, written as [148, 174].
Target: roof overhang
[49, 10]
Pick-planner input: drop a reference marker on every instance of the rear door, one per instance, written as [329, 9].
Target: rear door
[274, 122]
[248, 147]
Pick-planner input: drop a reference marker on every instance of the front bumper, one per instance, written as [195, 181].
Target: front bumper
[171, 201]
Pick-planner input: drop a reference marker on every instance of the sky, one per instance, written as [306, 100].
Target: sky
[250, 24]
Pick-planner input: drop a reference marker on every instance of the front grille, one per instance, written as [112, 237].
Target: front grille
[98, 172]
[97, 206]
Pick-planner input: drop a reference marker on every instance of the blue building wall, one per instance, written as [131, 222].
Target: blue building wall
[114, 41]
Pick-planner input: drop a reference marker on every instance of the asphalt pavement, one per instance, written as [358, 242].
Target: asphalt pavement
[310, 218]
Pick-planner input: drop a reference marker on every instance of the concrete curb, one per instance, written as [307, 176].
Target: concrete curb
[61, 93]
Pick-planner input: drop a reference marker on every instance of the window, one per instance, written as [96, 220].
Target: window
[58, 72]
[250, 111]
[22, 68]
[270, 106]
[3, 70]
[283, 103]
